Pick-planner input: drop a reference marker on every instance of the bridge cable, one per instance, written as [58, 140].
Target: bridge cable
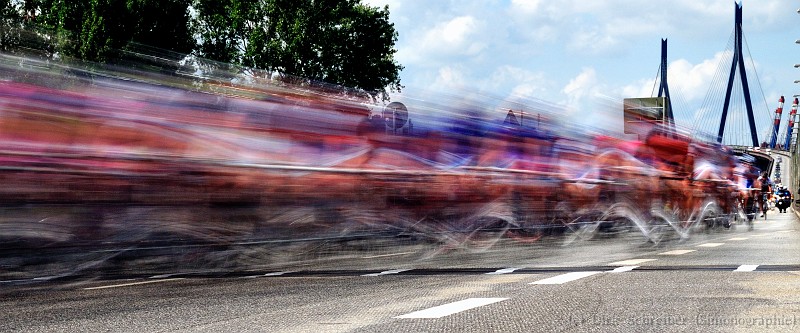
[707, 121]
[760, 88]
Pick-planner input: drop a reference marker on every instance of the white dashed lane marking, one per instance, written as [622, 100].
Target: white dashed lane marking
[388, 255]
[163, 276]
[630, 262]
[676, 252]
[451, 308]
[503, 271]
[267, 274]
[132, 284]
[623, 269]
[738, 238]
[711, 244]
[394, 271]
[746, 268]
[567, 277]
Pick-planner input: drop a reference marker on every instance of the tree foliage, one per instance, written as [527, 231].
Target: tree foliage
[97, 30]
[336, 41]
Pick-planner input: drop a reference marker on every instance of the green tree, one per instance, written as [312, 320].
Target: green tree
[162, 24]
[10, 22]
[97, 30]
[335, 41]
[19, 30]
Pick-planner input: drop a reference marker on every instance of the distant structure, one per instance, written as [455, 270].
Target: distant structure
[776, 124]
[738, 62]
[663, 89]
[395, 115]
[788, 144]
[511, 119]
[641, 115]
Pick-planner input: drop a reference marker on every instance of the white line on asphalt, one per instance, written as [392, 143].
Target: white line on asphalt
[746, 268]
[738, 238]
[388, 255]
[629, 262]
[567, 277]
[45, 277]
[394, 271]
[163, 276]
[676, 252]
[503, 271]
[278, 273]
[762, 235]
[623, 269]
[132, 284]
[711, 244]
[268, 274]
[451, 308]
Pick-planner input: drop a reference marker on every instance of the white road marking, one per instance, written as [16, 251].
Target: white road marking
[267, 274]
[45, 278]
[451, 308]
[746, 268]
[394, 271]
[630, 262]
[13, 281]
[503, 271]
[563, 278]
[162, 276]
[762, 235]
[738, 238]
[676, 252]
[388, 255]
[623, 269]
[132, 284]
[711, 244]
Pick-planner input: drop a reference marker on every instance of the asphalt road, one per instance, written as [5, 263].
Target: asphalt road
[722, 280]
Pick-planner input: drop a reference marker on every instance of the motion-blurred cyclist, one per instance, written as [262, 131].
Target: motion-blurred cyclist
[766, 193]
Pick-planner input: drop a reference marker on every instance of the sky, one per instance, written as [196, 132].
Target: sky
[586, 56]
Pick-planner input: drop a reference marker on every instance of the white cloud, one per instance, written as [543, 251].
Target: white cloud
[454, 37]
[580, 84]
[593, 42]
[580, 90]
[519, 81]
[691, 80]
[449, 77]
[525, 6]
[532, 48]
[641, 88]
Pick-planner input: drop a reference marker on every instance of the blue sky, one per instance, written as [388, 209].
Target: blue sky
[588, 55]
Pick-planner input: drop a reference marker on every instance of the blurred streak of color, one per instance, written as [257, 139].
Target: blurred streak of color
[118, 160]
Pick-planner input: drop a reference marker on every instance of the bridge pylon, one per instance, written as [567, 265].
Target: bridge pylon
[663, 89]
[738, 62]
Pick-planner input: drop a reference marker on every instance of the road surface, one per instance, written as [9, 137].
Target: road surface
[724, 280]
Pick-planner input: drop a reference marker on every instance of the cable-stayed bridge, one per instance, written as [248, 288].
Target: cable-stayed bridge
[735, 111]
